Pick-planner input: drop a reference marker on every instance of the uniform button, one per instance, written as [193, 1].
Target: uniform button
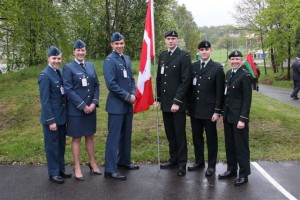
[174, 66]
[166, 67]
[200, 77]
[165, 82]
[88, 90]
[165, 74]
[198, 91]
[199, 84]
[89, 96]
[164, 90]
[197, 97]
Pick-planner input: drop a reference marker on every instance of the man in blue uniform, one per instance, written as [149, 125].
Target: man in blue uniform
[205, 106]
[236, 111]
[53, 116]
[119, 105]
[173, 80]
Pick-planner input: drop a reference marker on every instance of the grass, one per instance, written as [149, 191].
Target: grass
[274, 127]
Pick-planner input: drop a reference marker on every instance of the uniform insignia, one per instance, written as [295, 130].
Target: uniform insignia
[236, 53]
[206, 45]
[173, 33]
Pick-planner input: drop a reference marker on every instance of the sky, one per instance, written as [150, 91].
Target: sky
[212, 12]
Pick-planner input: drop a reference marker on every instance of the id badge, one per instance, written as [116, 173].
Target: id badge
[125, 73]
[62, 91]
[162, 70]
[225, 92]
[84, 82]
[195, 81]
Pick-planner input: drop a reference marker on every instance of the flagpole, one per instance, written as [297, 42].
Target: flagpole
[155, 92]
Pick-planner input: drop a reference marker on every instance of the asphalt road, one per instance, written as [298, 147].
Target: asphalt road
[31, 182]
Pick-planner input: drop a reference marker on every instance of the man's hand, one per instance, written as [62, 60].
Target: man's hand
[174, 108]
[240, 125]
[132, 99]
[53, 127]
[215, 117]
[156, 105]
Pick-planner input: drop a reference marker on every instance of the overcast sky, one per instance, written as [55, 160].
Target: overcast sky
[210, 12]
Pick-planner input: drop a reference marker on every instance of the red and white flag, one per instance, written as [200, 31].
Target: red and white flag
[144, 86]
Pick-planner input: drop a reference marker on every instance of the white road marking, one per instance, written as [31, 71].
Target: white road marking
[275, 183]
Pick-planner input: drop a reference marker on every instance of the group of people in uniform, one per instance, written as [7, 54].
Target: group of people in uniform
[201, 90]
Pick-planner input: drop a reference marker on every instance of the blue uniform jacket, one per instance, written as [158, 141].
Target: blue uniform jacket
[120, 88]
[78, 95]
[53, 108]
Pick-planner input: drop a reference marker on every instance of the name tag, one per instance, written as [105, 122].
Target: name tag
[84, 82]
[125, 73]
[162, 70]
[62, 91]
[195, 81]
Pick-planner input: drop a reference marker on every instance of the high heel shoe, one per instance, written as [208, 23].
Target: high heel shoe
[77, 177]
[98, 172]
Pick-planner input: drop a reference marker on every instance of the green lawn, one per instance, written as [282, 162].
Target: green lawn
[274, 126]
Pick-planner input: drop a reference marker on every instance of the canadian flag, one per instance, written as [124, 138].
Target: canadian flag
[144, 85]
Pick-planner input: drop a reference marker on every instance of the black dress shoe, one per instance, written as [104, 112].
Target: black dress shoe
[131, 167]
[115, 175]
[227, 174]
[97, 172]
[196, 166]
[182, 171]
[168, 165]
[241, 180]
[56, 179]
[64, 174]
[210, 171]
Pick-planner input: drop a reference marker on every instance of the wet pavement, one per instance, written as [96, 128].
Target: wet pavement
[31, 182]
[268, 180]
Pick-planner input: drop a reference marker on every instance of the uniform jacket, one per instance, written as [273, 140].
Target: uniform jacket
[120, 87]
[173, 79]
[206, 90]
[52, 100]
[296, 70]
[238, 96]
[79, 96]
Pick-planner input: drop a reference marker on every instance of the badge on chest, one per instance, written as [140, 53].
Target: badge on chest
[84, 81]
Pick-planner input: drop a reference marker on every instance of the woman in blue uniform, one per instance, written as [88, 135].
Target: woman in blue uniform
[82, 89]
[53, 116]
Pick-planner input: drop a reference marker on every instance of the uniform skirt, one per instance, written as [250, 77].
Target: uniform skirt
[79, 126]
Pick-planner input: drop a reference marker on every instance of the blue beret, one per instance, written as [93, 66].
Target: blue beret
[116, 36]
[204, 44]
[53, 51]
[79, 44]
[235, 53]
[171, 33]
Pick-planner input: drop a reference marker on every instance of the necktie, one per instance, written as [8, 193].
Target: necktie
[170, 53]
[231, 75]
[82, 65]
[202, 65]
[123, 58]
[59, 74]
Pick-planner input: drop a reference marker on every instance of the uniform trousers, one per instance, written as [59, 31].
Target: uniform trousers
[237, 148]
[198, 126]
[296, 89]
[55, 144]
[118, 143]
[175, 130]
